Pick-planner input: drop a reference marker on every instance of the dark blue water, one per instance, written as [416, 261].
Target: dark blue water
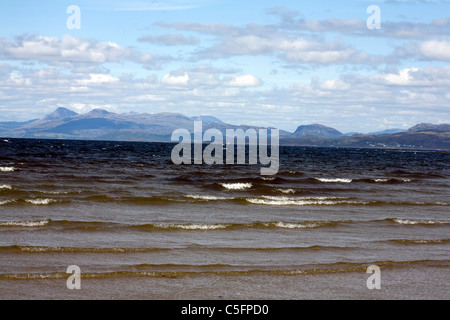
[127, 215]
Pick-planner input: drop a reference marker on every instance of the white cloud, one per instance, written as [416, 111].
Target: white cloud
[292, 50]
[334, 84]
[436, 49]
[404, 77]
[72, 52]
[430, 77]
[17, 79]
[46, 101]
[175, 80]
[96, 79]
[144, 98]
[67, 48]
[246, 80]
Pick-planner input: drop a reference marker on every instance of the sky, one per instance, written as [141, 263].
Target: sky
[344, 64]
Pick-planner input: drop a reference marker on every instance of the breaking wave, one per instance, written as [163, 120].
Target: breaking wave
[30, 224]
[289, 201]
[418, 222]
[236, 186]
[338, 180]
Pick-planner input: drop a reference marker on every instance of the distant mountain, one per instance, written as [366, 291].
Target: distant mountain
[100, 124]
[422, 136]
[351, 133]
[387, 131]
[12, 125]
[207, 119]
[316, 130]
[60, 114]
[428, 127]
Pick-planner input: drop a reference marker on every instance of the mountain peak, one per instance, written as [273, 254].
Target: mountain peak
[317, 130]
[422, 127]
[60, 114]
[98, 112]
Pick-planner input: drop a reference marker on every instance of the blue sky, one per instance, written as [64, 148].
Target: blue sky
[269, 63]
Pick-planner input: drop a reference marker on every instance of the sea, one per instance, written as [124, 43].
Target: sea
[119, 220]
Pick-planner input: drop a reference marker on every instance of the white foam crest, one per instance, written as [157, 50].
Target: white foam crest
[237, 186]
[286, 191]
[54, 192]
[381, 180]
[412, 222]
[290, 225]
[6, 202]
[40, 201]
[5, 186]
[31, 224]
[302, 198]
[343, 180]
[287, 201]
[195, 226]
[425, 241]
[208, 198]
[7, 169]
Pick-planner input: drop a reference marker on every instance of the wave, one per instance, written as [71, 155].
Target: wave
[384, 180]
[417, 222]
[289, 201]
[5, 186]
[230, 226]
[154, 199]
[174, 270]
[338, 180]
[303, 224]
[97, 225]
[426, 242]
[43, 249]
[292, 173]
[237, 186]
[131, 200]
[36, 202]
[366, 180]
[29, 224]
[257, 199]
[58, 192]
[40, 201]
[206, 198]
[286, 191]
[60, 224]
[7, 169]
[305, 248]
[173, 274]
[47, 249]
[193, 226]
[86, 226]
[188, 226]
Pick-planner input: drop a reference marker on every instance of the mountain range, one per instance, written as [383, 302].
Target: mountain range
[100, 124]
